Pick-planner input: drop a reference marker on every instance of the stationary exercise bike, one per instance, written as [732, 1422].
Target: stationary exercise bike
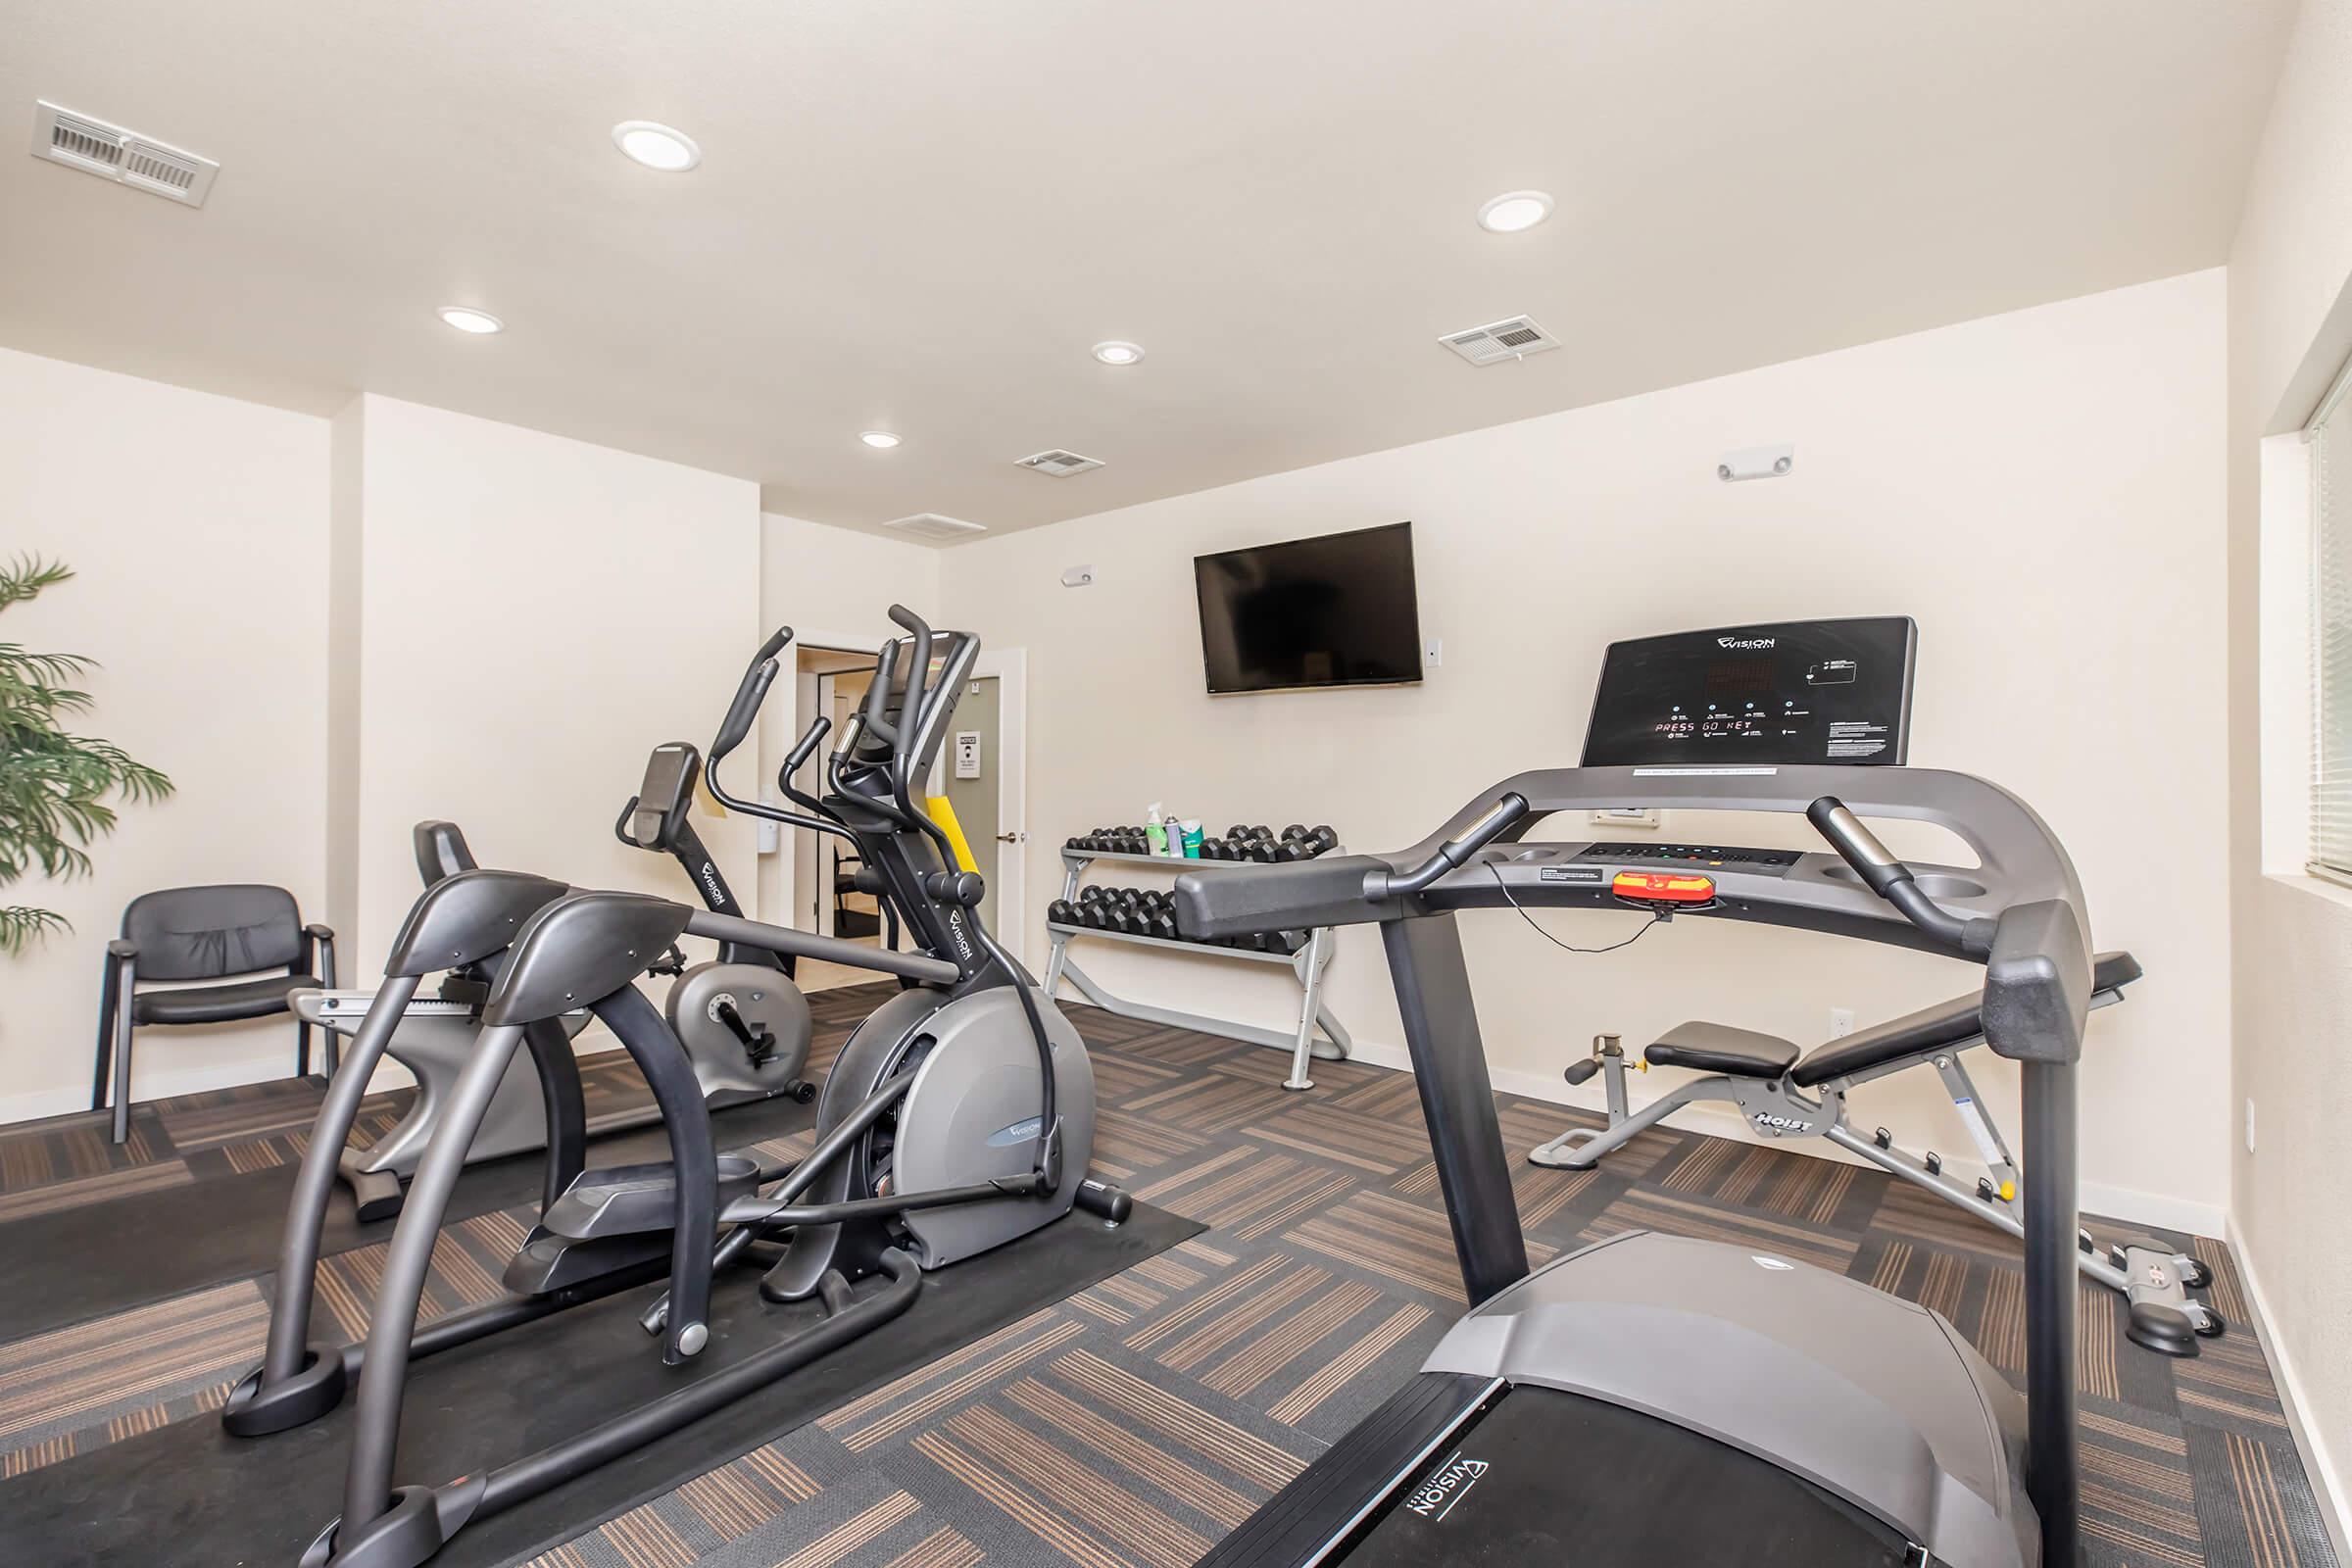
[742, 1020]
[959, 1117]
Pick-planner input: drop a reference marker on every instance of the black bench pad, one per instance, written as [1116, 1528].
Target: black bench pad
[1947, 1023]
[1719, 1048]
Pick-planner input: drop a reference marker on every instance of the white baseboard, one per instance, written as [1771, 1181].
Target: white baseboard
[2161, 1210]
[2328, 1482]
[147, 1085]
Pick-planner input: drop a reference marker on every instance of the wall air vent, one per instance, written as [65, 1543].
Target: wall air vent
[1514, 339]
[1061, 464]
[124, 156]
[932, 525]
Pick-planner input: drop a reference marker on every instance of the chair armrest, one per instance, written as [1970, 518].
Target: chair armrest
[119, 948]
[318, 954]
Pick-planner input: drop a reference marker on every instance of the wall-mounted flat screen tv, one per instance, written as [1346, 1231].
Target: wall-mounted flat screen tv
[1335, 611]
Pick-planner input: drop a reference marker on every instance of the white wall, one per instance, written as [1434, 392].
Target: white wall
[534, 615]
[198, 528]
[831, 586]
[2043, 491]
[2290, 326]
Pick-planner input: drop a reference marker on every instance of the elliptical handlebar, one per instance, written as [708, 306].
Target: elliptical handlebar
[1891, 879]
[758, 677]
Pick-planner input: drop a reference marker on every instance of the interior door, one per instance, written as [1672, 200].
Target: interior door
[973, 765]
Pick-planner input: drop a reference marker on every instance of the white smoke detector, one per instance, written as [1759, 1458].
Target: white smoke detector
[124, 156]
[1496, 341]
[1057, 463]
[935, 526]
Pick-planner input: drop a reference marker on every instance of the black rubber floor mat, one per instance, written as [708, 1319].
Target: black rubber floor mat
[76, 1264]
[189, 1493]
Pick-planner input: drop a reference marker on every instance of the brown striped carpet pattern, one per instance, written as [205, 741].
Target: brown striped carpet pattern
[1134, 1424]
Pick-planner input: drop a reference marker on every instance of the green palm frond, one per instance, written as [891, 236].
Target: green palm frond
[26, 575]
[57, 789]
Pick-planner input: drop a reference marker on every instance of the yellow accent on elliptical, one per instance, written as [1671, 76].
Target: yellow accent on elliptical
[945, 815]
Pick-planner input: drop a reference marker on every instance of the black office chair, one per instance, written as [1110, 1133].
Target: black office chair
[210, 933]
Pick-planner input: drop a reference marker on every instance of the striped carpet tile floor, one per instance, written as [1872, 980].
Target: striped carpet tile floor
[1134, 1424]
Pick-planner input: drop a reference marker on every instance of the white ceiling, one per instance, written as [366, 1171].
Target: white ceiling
[920, 215]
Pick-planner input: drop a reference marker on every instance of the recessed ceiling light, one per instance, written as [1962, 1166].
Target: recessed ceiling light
[1118, 353]
[465, 320]
[1514, 210]
[880, 439]
[672, 152]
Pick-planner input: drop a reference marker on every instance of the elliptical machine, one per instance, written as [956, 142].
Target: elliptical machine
[959, 1117]
[743, 1023]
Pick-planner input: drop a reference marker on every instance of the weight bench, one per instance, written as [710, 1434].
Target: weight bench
[1785, 1093]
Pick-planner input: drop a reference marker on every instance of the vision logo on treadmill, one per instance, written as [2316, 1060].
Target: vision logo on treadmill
[1434, 1497]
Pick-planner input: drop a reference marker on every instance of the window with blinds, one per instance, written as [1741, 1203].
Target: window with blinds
[2330, 436]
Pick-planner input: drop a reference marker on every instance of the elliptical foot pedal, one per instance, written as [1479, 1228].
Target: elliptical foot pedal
[632, 1199]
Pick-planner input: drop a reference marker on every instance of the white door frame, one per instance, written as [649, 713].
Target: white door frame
[1010, 667]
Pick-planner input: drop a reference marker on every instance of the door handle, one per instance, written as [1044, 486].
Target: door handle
[1012, 838]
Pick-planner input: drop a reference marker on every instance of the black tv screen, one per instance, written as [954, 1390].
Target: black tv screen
[1335, 611]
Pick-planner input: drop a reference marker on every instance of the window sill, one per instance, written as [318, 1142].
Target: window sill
[2334, 894]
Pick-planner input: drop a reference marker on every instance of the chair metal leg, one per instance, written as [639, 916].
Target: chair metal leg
[123, 1072]
[109, 998]
[302, 1047]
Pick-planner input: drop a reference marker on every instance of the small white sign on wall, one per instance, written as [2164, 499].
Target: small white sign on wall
[967, 754]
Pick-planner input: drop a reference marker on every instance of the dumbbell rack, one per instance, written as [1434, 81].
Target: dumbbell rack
[1307, 965]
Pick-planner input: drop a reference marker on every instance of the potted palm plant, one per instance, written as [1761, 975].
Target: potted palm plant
[55, 786]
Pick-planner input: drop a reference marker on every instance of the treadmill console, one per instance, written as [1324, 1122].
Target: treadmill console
[1785, 694]
[1767, 863]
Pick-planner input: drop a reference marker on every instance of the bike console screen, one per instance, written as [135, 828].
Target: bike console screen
[1791, 693]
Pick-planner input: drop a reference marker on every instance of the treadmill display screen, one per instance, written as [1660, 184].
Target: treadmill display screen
[1797, 691]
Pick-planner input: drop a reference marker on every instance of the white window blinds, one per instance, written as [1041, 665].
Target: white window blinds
[2330, 436]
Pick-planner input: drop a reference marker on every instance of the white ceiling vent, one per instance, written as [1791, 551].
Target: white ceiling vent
[1059, 464]
[126, 157]
[1514, 339]
[932, 525]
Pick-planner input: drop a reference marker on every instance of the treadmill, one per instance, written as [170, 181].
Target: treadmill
[1657, 1399]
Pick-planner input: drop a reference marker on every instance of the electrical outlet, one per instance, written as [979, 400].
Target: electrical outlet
[2249, 1125]
[1841, 1022]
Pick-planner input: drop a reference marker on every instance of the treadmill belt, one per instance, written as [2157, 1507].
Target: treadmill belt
[1552, 1478]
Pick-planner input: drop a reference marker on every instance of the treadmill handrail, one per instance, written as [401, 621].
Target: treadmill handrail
[2018, 859]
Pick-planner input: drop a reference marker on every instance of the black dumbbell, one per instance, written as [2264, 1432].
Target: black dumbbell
[1061, 911]
[1265, 850]
[1324, 838]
